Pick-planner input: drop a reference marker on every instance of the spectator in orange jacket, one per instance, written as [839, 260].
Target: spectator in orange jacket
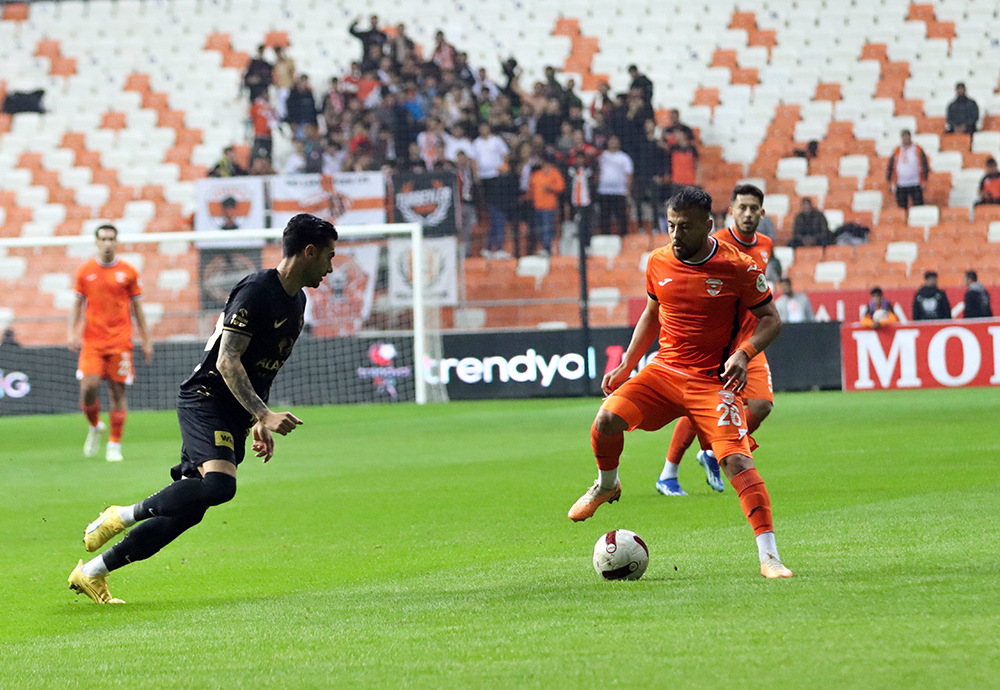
[545, 185]
[907, 172]
[879, 311]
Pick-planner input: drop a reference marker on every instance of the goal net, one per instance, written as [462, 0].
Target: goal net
[367, 327]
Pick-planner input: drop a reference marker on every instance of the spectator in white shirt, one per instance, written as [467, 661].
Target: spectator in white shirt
[490, 154]
[793, 307]
[907, 172]
[614, 182]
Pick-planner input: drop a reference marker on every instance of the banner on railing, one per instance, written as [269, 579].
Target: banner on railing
[230, 203]
[440, 272]
[426, 198]
[350, 198]
[343, 301]
[924, 354]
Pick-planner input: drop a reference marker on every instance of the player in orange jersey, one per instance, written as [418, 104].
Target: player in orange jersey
[107, 295]
[747, 208]
[696, 288]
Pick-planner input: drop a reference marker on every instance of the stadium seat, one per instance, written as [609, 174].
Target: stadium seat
[12, 268]
[993, 233]
[902, 252]
[173, 279]
[607, 246]
[536, 267]
[792, 168]
[834, 218]
[54, 282]
[924, 217]
[830, 272]
[607, 297]
[786, 257]
[470, 318]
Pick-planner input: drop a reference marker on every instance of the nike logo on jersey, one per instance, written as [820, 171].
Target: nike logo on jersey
[278, 324]
[663, 282]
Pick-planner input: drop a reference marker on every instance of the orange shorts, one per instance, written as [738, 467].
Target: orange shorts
[113, 365]
[759, 385]
[658, 394]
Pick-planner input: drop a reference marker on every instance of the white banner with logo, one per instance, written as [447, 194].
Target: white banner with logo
[440, 272]
[230, 203]
[343, 301]
[350, 198]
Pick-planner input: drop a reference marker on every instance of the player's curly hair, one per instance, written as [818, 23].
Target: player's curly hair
[690, 198]
[303, 230]
[748, 190]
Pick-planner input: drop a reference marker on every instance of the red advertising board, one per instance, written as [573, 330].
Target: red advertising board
[924, 354]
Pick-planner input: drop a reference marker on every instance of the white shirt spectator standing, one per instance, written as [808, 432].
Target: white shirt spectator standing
[614, 181]
[793, 307]
[907, 171]
[490, 153]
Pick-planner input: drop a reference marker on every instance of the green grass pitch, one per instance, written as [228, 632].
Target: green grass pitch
[406, 547]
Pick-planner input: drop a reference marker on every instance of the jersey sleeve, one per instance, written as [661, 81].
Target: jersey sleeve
[134, 286]
[650, 289]
[752, 286]
[246, 308]
[79, 284]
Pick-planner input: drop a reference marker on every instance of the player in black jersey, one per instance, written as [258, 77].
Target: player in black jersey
[219, 404]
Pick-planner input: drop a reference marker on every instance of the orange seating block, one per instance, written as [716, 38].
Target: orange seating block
[113, 120]
[891, 87]
[705, 96]
[218, 41]
[193, 172]
[745, 75]
[956, 142]
[743, 20]
[827, 92]
[47, 48]
[44, 178]
[235, 59]
[762, 37]
[137, 82]
[87, 159]
[277, 38]
[875, 51]
[178, 154]
[174, 119]
[74, 141]
[566, 27]
[63, 67]
[106, 177]
[930, 125]
[987, 213]
[724, 58]
[913, 107]
[188, 137]
[991, 123]
[919, 12]
[974, 160]
[15, 12]
[59, 195]
[937, 29]
[155, 101]
[30, 161]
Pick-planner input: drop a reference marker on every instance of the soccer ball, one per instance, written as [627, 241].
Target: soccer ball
[880, 315]
[621, 555]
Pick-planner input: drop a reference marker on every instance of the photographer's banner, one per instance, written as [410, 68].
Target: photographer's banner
[440, 272]
[350, 198]
[923, 354]
[426, 198]
[343, 301]
[230, 203]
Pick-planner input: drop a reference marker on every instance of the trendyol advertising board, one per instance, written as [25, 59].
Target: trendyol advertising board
[925, 354]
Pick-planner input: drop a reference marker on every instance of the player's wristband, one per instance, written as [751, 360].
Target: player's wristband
[748, 349]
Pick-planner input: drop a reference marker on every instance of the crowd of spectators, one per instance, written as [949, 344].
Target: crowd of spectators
[400, 110]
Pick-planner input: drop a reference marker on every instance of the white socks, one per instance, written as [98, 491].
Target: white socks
[95, 567]
[127, 514]
[608, 478]
[767, 547]
[669, 471]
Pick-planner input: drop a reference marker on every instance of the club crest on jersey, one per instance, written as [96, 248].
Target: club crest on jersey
[764, 256]
[728, 397]
[120, 276]
[713, 285]
[761, 283]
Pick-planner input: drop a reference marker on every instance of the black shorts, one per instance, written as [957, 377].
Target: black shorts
[206, 435]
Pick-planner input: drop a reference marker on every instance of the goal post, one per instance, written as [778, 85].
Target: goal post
[331, 365]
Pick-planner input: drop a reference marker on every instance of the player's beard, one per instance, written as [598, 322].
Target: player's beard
[683, 253]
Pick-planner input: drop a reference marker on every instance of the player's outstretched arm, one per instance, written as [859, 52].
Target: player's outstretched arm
[73, 328]
[643, 338]
[231, 348]
[734, 374]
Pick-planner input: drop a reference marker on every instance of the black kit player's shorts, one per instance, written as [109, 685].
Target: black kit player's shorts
[206, 435]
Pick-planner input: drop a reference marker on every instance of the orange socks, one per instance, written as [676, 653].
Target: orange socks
[684, 435]
[117, 424]
[607, 448]
[93, 412]
[754, 500]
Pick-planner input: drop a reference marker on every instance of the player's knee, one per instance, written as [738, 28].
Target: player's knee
[761, 408]
[735, 463]
[219, 488]
[608, 422]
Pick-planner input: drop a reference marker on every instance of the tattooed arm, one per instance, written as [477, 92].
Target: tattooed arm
[231, 348]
